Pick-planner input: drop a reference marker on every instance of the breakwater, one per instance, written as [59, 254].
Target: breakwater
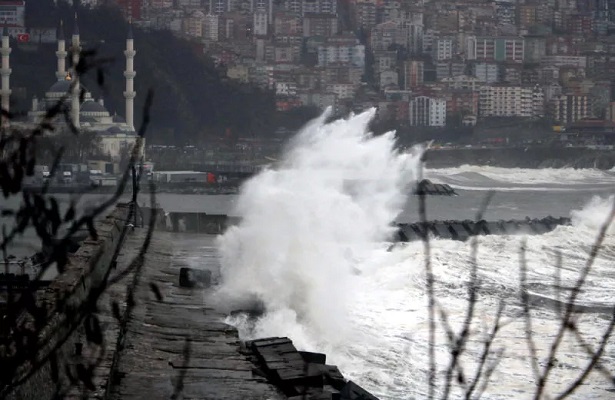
[522, 157]
[196, 222]
[462, 230]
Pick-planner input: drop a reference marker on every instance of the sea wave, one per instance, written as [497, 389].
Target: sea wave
[316, 255]
[472, 175]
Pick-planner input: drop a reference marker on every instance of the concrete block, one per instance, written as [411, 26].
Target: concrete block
[352, 391]
[315, 358]
[442, 230]
[189, 277]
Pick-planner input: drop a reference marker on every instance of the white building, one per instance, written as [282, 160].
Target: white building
[342, 90]
[344, 51]
[260, 23]
[427, 111]
[511, 101]
[443, 48]
[285, 88]
[210, 28]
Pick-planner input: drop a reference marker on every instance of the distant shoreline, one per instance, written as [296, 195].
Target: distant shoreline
[522, 157]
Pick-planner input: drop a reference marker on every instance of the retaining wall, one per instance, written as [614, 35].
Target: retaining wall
[85, 272]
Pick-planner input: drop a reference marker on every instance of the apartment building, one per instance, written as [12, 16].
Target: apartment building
[489, 49]
[413, 73]
[427, 111]
[443, 48]
[322, 24]
[568, 108]
[341, 50]
[511, 101]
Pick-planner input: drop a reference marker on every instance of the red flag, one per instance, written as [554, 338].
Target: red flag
[211, 178]
[23, 37]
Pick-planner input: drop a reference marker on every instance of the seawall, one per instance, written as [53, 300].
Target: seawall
[522, 157]
[84, 273]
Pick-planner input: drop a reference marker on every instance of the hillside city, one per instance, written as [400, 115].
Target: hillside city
[463, 73]
[422, 63]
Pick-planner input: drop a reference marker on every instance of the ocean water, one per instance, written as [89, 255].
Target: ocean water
[314, 248]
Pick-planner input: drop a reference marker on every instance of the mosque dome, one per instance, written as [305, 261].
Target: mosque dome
[62, 86]
[93, 106]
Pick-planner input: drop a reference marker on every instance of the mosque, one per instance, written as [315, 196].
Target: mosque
[87, 114]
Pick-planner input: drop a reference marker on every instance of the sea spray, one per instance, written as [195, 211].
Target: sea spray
[595, 213]
[330, 200]
[311, 250]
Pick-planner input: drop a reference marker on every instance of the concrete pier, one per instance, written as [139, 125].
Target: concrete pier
[151, 335]
[179, 343]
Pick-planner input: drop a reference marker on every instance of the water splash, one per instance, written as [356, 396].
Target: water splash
[305, 224]
[594, 214]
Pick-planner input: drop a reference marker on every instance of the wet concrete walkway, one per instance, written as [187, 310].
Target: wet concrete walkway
[177, 347]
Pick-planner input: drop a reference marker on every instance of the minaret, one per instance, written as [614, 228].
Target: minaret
[5, 72]
[130, 94]
[76, 48]
[61, 53]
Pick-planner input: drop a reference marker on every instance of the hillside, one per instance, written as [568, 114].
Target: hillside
[193, 102]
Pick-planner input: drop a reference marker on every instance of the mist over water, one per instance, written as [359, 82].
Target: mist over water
[313, 248]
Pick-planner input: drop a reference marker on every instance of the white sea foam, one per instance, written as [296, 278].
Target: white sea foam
[314, 251]
[476, 176]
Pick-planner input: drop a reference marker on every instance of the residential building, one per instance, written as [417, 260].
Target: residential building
[535, 48]
[427, 111]
[287, 24]
[511, 101]
[389, 79]
[193, 25]
[219, 6]
[568, 108]
[260, 18]
[489, 49]
[363, 14]
[342, 90]
[319, 6]
[486, 72]
[210, 28]
[322, 24]
[413, 73]
[464, 82]
[13, 13]
[443, 48]
[565, 61]
[343, 50]
[445, 69]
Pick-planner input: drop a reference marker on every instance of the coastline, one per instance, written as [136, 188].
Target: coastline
[522, 157]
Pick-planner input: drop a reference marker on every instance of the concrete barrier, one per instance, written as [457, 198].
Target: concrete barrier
[84, 273]
[301, 375]
[192, 222]
[427, 187]
[462, 230]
